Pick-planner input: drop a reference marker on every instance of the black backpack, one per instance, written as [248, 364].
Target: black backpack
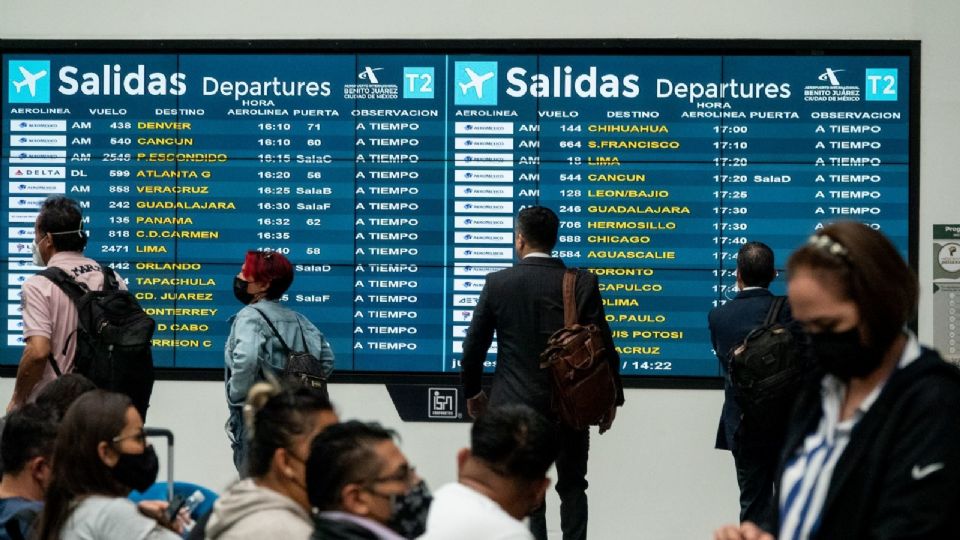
[113, 335]
[302, 366]
[767, 370]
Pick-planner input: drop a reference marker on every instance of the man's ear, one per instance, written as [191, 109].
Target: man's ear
[462, 456]
[540, 491]
[354, 500]
[107, 454]
[39, 468]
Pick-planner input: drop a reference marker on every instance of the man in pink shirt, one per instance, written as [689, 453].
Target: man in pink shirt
[49, 316]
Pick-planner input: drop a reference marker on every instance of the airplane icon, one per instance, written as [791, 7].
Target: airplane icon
[476, 82]
[30, 80]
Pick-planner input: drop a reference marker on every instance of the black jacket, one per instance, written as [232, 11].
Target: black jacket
[883, 486]
[524, 305]
[729, 325]
[332, 529]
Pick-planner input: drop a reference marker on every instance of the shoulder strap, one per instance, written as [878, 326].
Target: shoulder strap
[774, 310]
[274, 328]
[65, 281]
[110, 282]
[569, 297]
[303, 337]
[53, 363]
[74, 290]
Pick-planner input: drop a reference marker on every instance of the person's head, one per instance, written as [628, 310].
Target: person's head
[265, 274]
[27, 449]
[101, 449]
[281, 422]
[853, 293]
[511, 449]
[755, 265]
[358, 468]
[63, 391]
[59, 227]
[537, 228]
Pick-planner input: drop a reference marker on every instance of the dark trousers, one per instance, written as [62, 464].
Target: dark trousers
[238, 440]
[756, 475]
[571, 486]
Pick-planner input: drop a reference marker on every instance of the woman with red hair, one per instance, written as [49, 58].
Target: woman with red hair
[254, 347]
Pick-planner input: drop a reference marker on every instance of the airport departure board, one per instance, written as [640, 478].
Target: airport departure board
[392, 180]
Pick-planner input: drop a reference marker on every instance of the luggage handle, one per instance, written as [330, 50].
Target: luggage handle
[167, 434]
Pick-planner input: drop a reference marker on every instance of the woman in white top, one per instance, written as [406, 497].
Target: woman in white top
[100, 455]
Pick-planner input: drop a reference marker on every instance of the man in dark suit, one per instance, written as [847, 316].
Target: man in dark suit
[524, 306]
[755, 449]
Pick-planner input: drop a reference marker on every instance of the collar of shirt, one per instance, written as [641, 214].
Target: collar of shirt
[751, 288]
[834, 390]
[376, 527]
[61, 256]
[537, 254]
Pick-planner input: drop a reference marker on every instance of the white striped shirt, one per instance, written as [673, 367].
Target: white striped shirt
[806, 477]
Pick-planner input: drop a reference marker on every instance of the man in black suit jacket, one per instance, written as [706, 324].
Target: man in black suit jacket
[524, 306]
[755, 450]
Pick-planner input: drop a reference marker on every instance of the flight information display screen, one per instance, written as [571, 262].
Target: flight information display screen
[392, 181]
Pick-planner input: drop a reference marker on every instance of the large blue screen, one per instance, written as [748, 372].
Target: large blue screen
[391, 181]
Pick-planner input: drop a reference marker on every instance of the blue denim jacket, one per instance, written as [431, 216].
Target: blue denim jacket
[252, 344]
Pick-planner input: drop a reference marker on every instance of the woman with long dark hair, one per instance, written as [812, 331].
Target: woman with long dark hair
[101, 455]
[873, 448]
[258, 333]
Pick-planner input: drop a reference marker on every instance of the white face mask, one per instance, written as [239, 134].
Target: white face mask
[35, 252]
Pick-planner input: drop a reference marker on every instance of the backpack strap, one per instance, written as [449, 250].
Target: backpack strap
[74, 290]
[110, 282]
[70, 287]
[275, 332]
[569, 298]
[774, 310]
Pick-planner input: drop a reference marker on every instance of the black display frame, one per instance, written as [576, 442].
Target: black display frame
[910, 49]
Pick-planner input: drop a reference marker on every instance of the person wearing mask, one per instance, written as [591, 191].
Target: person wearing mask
[27, 449]
[873, 449]
[100, 455]
[755, 447]
[272, 502]
[502, 477]
[253, 348]
[49, 315]
[363, 486]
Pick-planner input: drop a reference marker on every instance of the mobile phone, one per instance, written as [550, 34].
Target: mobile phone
[175, 505]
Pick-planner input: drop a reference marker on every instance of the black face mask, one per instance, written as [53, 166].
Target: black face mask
[240, 291]
[409, 515]
[137, 471]
[841, 354]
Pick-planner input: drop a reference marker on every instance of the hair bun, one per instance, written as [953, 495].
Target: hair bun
[258, 397]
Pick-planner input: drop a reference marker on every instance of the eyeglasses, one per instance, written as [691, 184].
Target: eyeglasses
[140, 436]
[405, 473]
